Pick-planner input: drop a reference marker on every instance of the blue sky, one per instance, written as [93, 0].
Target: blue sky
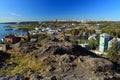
[28, 10]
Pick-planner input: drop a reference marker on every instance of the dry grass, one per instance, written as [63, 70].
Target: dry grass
[24, 63]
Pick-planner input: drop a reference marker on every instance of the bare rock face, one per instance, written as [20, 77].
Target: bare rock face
[67, 68]
[67, 61]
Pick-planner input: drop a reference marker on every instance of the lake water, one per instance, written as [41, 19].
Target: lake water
[4, 31]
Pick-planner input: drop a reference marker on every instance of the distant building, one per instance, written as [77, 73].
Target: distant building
[111, 41]
[51, 31]
[85, 35]
[98, 31]
[34, 32]
[61, 36]
[103, 45]
[36, 28]
[94, 36]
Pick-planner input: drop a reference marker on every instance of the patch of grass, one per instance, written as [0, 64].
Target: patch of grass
[21, 27]
[23, 64]
[6, 70]
[27, 63]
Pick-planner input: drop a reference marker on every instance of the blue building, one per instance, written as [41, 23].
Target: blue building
[103, 45]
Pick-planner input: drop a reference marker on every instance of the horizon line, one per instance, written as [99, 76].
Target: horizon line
[59, 20]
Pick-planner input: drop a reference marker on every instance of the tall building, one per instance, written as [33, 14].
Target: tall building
[103, 45]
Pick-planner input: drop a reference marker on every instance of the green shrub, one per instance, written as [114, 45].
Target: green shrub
[113, 52]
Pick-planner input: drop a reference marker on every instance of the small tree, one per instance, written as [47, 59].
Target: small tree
[74, 33]
[113, 52]
[92, 43]
[80, 34]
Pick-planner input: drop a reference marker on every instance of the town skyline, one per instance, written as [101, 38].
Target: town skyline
[41, 10]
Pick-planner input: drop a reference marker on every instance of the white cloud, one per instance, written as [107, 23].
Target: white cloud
[15, 14]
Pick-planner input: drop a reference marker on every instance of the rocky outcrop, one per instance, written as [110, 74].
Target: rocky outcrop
[68, 61]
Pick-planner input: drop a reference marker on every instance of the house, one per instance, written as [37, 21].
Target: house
[50, 31]
[43, 33]
[48, 28]
[34, 32]
[111, 41]
[103, 44]
[43, 29]
[63, 27]
[59, 30]
[61, 36]
[14, 39]
[10, 39]
[94, 36]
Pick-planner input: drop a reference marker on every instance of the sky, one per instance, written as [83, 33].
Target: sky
[40, 10]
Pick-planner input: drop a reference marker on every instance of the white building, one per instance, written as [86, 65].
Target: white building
[103, 44]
